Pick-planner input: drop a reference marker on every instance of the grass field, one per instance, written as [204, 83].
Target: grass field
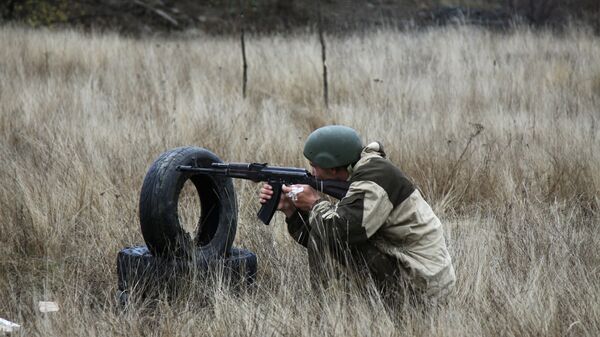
[499, 131]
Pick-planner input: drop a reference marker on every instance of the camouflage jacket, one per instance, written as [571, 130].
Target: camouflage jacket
[383, 206]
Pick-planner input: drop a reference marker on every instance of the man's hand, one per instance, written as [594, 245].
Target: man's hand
[285, 203]
[305, 199]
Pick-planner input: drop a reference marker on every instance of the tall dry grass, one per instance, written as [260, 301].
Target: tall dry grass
[500, 131]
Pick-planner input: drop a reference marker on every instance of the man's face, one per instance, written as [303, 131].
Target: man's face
[323, 173]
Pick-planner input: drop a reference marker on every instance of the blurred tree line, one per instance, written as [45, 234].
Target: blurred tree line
[218, 16]
[35, 12]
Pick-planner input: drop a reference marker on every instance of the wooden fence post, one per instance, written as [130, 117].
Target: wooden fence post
[323, 55]
[243, 45]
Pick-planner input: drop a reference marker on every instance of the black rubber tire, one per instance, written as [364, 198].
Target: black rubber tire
[159, 197]
[240, 265]
[138, 270]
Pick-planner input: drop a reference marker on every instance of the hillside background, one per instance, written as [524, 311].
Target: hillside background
[499, 131]
[137, 17]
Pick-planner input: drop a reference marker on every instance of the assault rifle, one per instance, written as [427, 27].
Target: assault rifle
[274, 176]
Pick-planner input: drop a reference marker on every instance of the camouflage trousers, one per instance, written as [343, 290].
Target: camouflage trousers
[330, 258]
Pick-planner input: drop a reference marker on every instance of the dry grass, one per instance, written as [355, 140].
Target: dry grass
[500, 131]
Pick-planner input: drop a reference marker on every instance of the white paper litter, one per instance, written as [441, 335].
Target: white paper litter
[293, 194]
[48, 306]
[8, 326]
